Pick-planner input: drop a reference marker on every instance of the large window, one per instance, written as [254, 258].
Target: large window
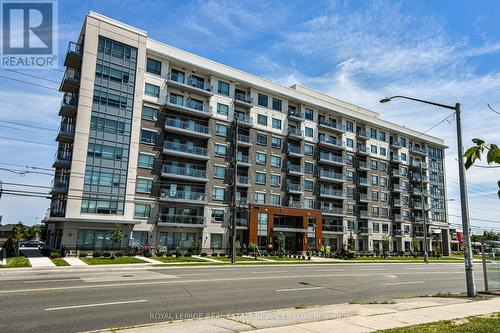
[221, 129]
[262, 120]
[275, 142]
[261, 158]
[149, 113]
[263, 100]
[152, 90]
[220, 150]
[144, 185]
[262, 139]
[275, 199]
[153, 66]
[148, 136]
[309, 114]
[142, 210]
[146, 161]
[276, 123]
[173, 240]
[309, 132]
[217, 215]
[222, 109]
[218, 193]
[100, 207]
[275, 161]
[277, 104]
[223, 88]
[219, 172]
[260, 178]
[216, 241]
[260, 198]
[88, 239]
[275, 180]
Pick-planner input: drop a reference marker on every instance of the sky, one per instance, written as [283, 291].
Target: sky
[446, 51]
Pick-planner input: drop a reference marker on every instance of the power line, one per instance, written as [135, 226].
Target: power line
[31, 75]
[27, 82]
[26, 125]
[27, 141]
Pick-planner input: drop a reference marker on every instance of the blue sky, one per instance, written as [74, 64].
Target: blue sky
[358, 51]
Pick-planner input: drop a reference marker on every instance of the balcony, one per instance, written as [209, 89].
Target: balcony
[395, 159]
[362, 134]
[242, 181]
[333, 229]
[397, 232]
[331, 143]
[191, 197]
[396, 174]
[363, 214]
[418, 150]
[364, 231]
[420, 233]
[166, 220]
[189, 128]
[244, 140]
[417, 205]
[73, 55]
[396, 202]
[188, 106]
[395, 144]
[418, 164]
[69, 105]
[243, 120]
[242, 99]
[295, 115]
[241, 223]
[191, 84]
[295, 133]
[294, 169]
[330, 125]
[362, 150]
[396, 188]
[417, 178]
[71, 81]
[66, 132]
[62, 160]
[331, 193]
[418, 191]
[243, 160]
[332, 211]
[185, 150]
[397, 217]
[363, 181]
[329, 158]
[184, 172]
[295, 151]
[294, 188]
[363, 197]
[332, 176]
[363, 165]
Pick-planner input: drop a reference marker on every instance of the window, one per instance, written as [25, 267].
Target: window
[275, 142]
[221, 129]
[308, 185]
[350, 159]
[383, 197]
[107, 125]
[277, 104]
[262, 120]
[309, 114]
[381, 136]
[262, 139]
[373, 133]
[104, 152]
[262, 100]
[101, 178]
[149, 113]
[275, 200]
[275, 161]
[383, 181]
[376, 228]
[384, 212]
[261, 158]
[216, 241]
[308, 167]
[308, 149]
[350, 175]
[217, 215]
[218, 193]
[275, 180]
[219, 172]
[152, 90]
[259, 197]
[146, 161]
[153, 66]
[148, 137]
[374, 164]
[385, 228]
[220, 150]
[223, 88]
[350, 143]
[383, 166]
[375, 211]
[402, 141]
[349, 126]
[309, 132]
[373, 149]
[374, 180]
[222, 109]
[142, 210]
[260, 178]
[350, 192]
[375, 195]
[276, 123]
[383, 151]
[308, 203]
[403, 156]
[144, 185]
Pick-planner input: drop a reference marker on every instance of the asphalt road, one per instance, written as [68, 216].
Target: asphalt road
[80, 299]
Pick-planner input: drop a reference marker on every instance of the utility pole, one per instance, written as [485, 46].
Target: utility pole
[424, 217]
[234, 203]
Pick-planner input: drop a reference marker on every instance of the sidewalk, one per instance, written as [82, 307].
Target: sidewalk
[331, 318]
[74, 261]
[36, 258]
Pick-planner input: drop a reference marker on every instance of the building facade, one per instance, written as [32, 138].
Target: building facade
[151, 136]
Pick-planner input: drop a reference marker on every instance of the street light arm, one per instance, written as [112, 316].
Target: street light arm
[387, 99]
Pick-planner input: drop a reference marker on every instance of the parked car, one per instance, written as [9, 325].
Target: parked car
[31, 243]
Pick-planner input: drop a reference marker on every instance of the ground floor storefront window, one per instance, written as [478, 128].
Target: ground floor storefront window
[173, 240]
[94, 239]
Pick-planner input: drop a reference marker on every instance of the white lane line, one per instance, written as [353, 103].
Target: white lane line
[96, 304]
[268, 272]
[409, 282]
[373, 269]
[60, 280]
[329, 270]
[300, 289]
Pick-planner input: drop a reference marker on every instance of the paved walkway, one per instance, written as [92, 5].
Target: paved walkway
[74, 261]
[151, 261]
[208, 259]
[333, 318]
[36, 258]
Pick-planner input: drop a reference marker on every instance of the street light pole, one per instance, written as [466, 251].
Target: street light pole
[469, 268]
[424, 218]
[235, 190]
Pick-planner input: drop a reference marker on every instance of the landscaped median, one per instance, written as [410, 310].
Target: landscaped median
[16, 262]
[112, 261]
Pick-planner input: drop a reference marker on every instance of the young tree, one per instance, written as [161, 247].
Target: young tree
[385, 244]
[281, 243]
[32, 232]
[18, 234]
[117, 234]
[414, 245]
[252, 248]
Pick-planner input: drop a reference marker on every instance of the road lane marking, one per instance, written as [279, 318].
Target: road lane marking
[60, 280]
[373, 269]
[267, 272]
[300, 289]
[95, 304]
[175, 281]
[409, 282]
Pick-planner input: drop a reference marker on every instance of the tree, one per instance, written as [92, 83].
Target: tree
[252, 248]
[437, 248]
[414, 245]
[17, 234]
[350, 242]
[32, 232]
[117, 234]
[196, 246]
[474, 153]
[385, 244]
[281, 243]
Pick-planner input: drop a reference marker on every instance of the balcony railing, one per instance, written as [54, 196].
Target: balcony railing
[396, 187]
[333, 228]
[330, 192]
[295, 150]
[363, 197]
[295, 132]
[184, 148]
[331, 142]
[327, 157]
[295, 114]
[363, 214]
[362, 134]
[243, 159]
[323, 173]
[362, 150]
[190, 82]
[364, 231]
[242, 138]
[294, 187]
[69, 104]
[418, 150]
[332, 125]
[363, 181]
[181, 219]
[362, 165]
[187, 125]
[396, 202]
[243, 119]
[395, 159]
[187, 103]
[242, 98]
[396, 173]
[188, 171]
[183, 195]
[395, 144]
[332, 210]
[294, 168]
[243, 180]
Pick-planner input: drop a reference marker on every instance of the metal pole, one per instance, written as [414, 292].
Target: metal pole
[469, 269]
[424, 217]
[235, 191]
[485, 271]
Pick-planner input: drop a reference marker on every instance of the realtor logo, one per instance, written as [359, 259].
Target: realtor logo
[29, 34]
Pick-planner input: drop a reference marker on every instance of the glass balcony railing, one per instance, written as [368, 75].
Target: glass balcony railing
[295, 132]
[243, 159]
[364, 230]
[323, 173]
[330, 158]
[243, 118]
[190, 81]
[363, 197]
[243, 180]
[242, 138]
[187, 103]
[184, 170]
[395, 144]
[181, 219]
[330, 192]
[294, 168]
[418, 150]
[331, 141]
[69, 100]
[332, 125]
[362, 165]
[295, 114]
[363, 134]
[187, 125]
[295, 150]
[184, 148]
[243, 98]
[332, 210]
[183, 195]
[363, 181]
[362, 149]
[333, 228]
[294, 187]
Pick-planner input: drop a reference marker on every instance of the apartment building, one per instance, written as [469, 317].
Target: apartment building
[151, 136]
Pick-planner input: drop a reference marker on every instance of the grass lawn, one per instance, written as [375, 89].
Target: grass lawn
[59, 262]
[407, 258]
[180, 259]
[283, 258]
[472, 324]
[16, 262]
[227, 259]
[109, 261]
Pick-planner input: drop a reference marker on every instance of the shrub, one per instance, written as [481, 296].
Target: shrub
[188, 254]
[178, 254]
[203, 254]
[214, 254]
[55, 254]
[82, 254]
[222, 254]
[168, 254]
[106, 254]
[113, 257]
[118, 254]
[96, 254]
[148, 254]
